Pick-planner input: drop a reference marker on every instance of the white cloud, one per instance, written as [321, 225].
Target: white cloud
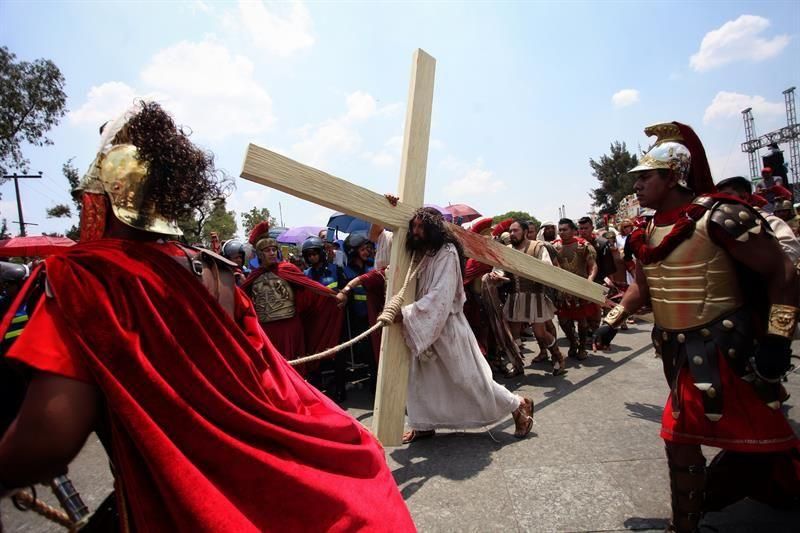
[330, 137]
[202, 84]
[104, 102]
[280, 33]
[737, 40]
[340, 135]
[380, 159]
[198, 6]
[625, 97]
[729, 104]
[473, 180]
[360, 106]
[395, 143]
[210, 89]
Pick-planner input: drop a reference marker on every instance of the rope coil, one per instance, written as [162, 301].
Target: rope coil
[25, 500]
[386, 318]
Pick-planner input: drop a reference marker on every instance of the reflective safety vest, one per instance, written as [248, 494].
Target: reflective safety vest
[358, 302]
[326, 276]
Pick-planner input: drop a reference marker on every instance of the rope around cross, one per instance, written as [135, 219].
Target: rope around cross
[386, 318]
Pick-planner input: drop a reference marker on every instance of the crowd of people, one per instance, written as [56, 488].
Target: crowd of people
[179, 358]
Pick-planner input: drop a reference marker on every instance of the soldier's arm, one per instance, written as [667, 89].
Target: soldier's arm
[55, 419]
[591, 262]
[748, 240]
[637, 295]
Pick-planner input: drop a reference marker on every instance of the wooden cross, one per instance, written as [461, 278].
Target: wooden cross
[279, 172]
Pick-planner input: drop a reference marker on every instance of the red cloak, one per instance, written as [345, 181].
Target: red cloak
[211, 429]
[374, 282]
[472, 307]
[317, 324]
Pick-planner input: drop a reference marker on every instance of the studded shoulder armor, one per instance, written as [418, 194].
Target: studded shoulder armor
[738, 220]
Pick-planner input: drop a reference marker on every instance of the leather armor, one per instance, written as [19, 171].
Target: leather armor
[695, 284]
[273, 298]
[699, 307]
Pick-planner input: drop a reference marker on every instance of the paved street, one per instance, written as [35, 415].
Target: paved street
[594, 461]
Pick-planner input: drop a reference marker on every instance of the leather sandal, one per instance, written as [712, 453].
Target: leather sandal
[513, 372]
[540, 358]
[416, 434]
[523, 418]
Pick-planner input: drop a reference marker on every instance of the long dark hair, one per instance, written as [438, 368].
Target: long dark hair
[181, 177]
[436, 234]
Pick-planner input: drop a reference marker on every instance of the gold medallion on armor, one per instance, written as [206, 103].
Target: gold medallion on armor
[273, 298]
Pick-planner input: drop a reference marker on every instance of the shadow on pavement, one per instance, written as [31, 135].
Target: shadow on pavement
[561, 386]
[645, 411]
[453, 456]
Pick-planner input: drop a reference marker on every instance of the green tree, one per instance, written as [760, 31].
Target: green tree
[63, 210]
[612, 173]
[254, 216]
[4, 234]
[59, 211]
[213, 216]
[221, 221]
[518, 215]
[32, 100]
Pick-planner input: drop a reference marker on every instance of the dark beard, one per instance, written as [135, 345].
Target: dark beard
[417, 244]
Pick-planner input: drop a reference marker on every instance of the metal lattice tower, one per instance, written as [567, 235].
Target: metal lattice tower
[791, 122]
[750, 136]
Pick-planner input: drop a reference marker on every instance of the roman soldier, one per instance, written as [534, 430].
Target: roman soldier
[575, 255]
[473, 282]
[151, 345]
[723, 297]
[298, 314]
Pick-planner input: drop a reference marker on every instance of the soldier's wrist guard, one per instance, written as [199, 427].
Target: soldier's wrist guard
[617, 316]
[782, 320]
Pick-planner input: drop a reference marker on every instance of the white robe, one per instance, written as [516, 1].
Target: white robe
[450, 384]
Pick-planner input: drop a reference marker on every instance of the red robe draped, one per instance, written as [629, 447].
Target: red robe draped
[317, 323]
[472, 307]
[211, 429]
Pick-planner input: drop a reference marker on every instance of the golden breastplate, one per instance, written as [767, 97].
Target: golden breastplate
[273, 298]
[572, 258]
[695, 284]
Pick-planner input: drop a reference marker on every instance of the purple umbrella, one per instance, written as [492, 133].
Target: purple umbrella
[447, 216]
[463, 212]
[299, 234]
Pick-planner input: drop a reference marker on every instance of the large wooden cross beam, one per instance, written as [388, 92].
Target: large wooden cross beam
[281, 173]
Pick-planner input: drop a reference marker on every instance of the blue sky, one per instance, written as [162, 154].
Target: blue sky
[525, 93]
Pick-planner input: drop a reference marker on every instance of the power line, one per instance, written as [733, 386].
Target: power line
[16, 179]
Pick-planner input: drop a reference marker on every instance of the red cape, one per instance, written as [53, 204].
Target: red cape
[211, 429]
[475, 269]
[374, 282]
[318, 315]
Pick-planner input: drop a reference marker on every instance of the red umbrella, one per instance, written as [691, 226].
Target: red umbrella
[463, 212]
[36, 245]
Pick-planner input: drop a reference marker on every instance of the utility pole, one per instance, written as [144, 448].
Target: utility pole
[19, 199]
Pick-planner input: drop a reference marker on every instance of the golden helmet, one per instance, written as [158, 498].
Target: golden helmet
[118, 173]
[668, 153]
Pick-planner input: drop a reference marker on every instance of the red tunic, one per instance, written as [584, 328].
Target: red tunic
[747, 423]
[211, 429]
[317, 323]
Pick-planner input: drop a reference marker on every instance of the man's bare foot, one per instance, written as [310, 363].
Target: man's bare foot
[415, 434]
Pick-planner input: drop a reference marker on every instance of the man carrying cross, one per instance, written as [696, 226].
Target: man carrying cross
[451, 384]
